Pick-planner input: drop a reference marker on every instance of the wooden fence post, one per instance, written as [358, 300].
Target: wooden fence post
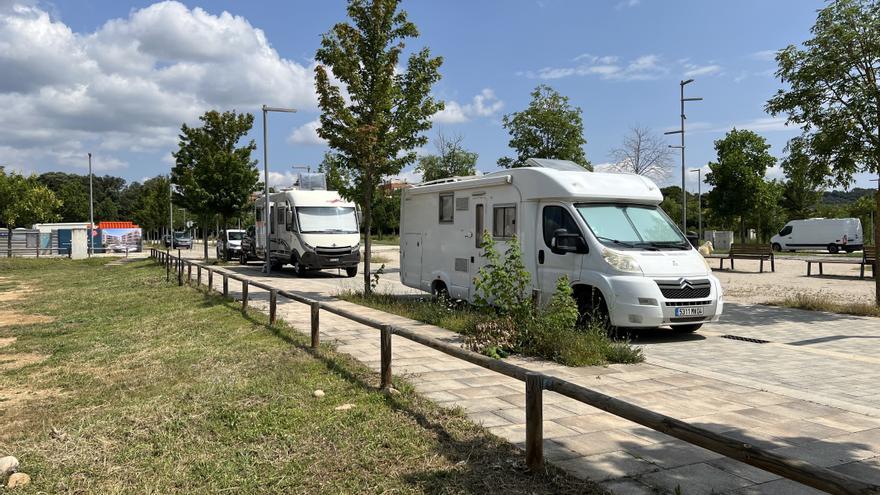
[198, 275]
[534, 421]
[244, 295]
[273, 301]
[385, 345]
[167, 269]
[316, 313]
[179, 272]
[225, 285]
[210, 279]
[189, 273]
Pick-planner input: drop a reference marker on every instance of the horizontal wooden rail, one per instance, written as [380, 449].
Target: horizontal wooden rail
[535, 383]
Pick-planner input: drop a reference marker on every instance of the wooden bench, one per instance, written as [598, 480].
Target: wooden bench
[869, 258]
[760, 252]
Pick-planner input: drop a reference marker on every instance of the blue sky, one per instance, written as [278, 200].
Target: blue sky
[117, 78]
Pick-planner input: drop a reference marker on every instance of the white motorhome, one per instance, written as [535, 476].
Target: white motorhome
[311, 229]
[606, 232]
[833, 234]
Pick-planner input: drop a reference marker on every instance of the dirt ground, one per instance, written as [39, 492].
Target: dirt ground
[747, 285]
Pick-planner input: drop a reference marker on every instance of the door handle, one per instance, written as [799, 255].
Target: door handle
[541, 256]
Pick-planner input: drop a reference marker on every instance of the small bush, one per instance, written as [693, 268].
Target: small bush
[501, 285]
[495, 338]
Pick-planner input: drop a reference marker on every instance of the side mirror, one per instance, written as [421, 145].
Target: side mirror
[565, 242]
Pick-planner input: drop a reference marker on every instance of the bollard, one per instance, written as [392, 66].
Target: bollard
[534, 421]
[225, 285]
[316, 313]
[273, 300]
[385, 345]
[244, 295]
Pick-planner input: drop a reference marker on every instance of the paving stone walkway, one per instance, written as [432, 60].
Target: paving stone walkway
[625, 457]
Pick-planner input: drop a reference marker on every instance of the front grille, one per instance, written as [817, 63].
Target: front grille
[688, 303]
[333, 251]
[684, 288]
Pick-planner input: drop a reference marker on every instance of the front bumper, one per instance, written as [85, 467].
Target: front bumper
[638, 302]
[320, 261]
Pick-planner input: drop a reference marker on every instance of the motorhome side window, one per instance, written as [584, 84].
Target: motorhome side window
[503, 222]
[555, 218]
[785, 230]
[447, 208]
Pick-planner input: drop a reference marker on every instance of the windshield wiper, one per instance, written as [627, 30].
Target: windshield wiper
[671, 244]
[615, 241]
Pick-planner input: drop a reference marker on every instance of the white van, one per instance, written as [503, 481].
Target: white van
[604, 231]
[310, 229]
[833, 234]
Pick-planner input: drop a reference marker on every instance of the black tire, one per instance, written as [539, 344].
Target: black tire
[301, 270]
[777, 247]
[691, 328]
[439, 290]
[351, 271]
[833, 249]
[592, 310]
[276, 266]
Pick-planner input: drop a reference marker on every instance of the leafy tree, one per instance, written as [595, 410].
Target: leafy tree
[74, 198]
[833, 91]
[212, 173]
[24, 201]
[451, 160]
[549, 128]
[386, 208]
[643, 153]
[738, 175]
[768, 216]
[376, 125]
[805, 180]
[338, 177]
[863, 209]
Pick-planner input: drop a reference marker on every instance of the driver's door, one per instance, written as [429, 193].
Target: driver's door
[553, 265]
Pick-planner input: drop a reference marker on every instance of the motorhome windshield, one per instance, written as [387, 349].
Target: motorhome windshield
[327, 220]
[632, 226]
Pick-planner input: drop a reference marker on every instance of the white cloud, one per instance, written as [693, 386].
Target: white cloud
[307, 134]
[625, 4]
[281, 179]
[484, 104]
[607, 67]
[130, 84]
[760, 124]
[694, 70]
[764, 55]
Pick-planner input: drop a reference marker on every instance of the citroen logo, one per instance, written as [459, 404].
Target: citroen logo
[685, 284]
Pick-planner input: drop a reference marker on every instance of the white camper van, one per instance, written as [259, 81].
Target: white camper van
[311, 229]
[833, 234]
[606, 232]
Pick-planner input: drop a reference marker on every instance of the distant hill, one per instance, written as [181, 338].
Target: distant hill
[845, 197]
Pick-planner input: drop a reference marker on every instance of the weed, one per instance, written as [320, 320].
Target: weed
[812, 302]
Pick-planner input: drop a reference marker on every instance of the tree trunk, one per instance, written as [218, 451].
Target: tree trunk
[205, 238]
[9, 243]
[368, 223]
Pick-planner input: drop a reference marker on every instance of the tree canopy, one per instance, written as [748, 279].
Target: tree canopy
[24, 201]
[805, 180]
[549, 128]
[376, 118]
[451, 159]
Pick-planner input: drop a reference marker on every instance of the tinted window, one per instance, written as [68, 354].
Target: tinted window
[555, 218]
[447, 209]
[504, 221]
[786, 230]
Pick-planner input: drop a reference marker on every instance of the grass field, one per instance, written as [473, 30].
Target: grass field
[115, 382]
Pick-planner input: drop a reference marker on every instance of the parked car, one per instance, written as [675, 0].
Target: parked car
[833, 234]
[182, 240]
[625, 259]
[229, 244]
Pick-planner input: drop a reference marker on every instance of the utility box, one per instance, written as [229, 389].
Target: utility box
[721, 239]
[79, 244]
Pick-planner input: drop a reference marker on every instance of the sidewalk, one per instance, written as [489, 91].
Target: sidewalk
[625, 457]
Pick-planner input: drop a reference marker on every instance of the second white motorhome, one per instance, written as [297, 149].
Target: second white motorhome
[606, 232]
[311, 229]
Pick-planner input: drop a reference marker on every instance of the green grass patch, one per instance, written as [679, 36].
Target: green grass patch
[572, 347]
[146, 387]
[818, 303]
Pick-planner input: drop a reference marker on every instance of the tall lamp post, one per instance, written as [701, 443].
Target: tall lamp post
[91, 211]
[699, 172]
[681, 147]
[267, 267]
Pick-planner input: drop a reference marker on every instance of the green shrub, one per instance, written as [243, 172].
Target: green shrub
[501, 285]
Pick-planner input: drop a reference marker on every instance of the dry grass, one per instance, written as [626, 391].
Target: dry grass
[813, 302]
[152, 388]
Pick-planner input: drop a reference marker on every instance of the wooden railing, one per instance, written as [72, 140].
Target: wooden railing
[535, 383]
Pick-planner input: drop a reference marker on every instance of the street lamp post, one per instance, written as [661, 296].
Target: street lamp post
[91, 211]
[699, 172]
[681, 147]
[267, 267]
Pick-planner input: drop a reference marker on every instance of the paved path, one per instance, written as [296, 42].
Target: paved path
[809, 393]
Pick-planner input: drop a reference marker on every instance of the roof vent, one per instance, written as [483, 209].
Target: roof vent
[565, 165]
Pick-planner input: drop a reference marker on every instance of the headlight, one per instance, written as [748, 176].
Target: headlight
[620, 261]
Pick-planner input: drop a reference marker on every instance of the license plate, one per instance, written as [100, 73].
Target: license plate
[333, 260]
[695, 311]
